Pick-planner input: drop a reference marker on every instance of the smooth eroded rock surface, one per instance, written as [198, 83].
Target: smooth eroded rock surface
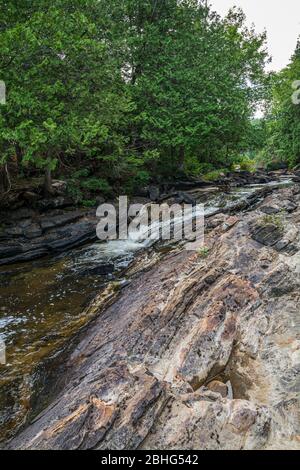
[141, 375]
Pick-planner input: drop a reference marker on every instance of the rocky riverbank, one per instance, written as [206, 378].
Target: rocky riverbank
[200, 351]
[33, 227]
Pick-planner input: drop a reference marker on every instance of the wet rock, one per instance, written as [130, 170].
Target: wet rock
[54, 203]
[153, 192]
[33, 231]
[101, 270]
[19, 255]
[14, 231]
[189, 184]
[50, 222]
[25, 223]
[185, 198]
[19, 214]
[46, 233]
[10, 250]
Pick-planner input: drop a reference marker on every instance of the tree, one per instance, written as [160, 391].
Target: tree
[195, 80]
[125, 91]
[283, 144]
[66, 96]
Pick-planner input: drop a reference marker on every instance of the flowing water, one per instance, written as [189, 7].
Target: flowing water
[43, 305]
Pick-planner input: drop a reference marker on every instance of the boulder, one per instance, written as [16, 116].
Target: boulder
[185, 198]
[153, 192]
[55, 203]
[59, 187]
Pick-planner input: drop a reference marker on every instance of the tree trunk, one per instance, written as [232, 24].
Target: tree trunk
[48, 182]
[19, 156]
[4, 179]
[181, 158]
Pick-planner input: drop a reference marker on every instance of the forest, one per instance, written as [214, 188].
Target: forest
[149, 227]
[110, 96]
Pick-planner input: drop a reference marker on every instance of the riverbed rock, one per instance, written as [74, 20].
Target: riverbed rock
[45, 233]
[55, 203]
[153, 192]
[31, 197]
[137, 378]
[267, 233]
[33, 231]
[218, 387]
[101, 270]
[46, 226]
[184, 198]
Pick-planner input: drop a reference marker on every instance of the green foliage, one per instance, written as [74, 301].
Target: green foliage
[215, 174]
[194, 97]
[116, 94]
[74, 191]
[245, 163]
[81, 185]
[283, 144]
[66, 98]
[203, 252]
[96, 184]
[272, 219]
[89, 202]
[137, 181]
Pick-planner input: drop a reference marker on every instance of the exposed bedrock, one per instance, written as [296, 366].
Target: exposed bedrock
[32, 227]
[198, 352]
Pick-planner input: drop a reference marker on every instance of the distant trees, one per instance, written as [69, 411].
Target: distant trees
[196, 80]
[283, 143]
[125, 90]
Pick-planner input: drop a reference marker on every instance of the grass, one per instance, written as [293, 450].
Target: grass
[203, 252]
[215, 174]
[272, 219]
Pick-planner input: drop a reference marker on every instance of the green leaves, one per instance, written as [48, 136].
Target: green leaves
[194, 86]
[126, 90]
[66, 94]
[283, 144]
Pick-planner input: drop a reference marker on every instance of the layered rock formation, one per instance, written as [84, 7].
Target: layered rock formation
[32, 226]
[30, 234]
[201, 351]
